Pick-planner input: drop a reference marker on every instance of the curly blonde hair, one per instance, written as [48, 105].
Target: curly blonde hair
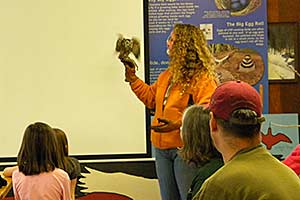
[190, 57]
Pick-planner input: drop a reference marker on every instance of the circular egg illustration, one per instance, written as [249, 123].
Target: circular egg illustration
[234, 63]
[238, 7]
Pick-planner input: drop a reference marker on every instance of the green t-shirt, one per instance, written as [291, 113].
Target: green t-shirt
[253, 174]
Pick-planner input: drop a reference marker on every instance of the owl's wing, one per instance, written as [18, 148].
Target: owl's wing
[136, 47]
[119, 43]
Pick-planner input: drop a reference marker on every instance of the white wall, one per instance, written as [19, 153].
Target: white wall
[58, 65]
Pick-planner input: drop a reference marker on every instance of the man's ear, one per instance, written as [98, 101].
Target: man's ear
[212, 122]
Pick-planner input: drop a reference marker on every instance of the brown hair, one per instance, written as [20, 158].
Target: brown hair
[62, 141]
[38, 152]
[190, 56]
[197, 144]
[63, 150]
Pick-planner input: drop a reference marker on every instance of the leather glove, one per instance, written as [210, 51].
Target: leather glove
[130, 66]
[166, 125]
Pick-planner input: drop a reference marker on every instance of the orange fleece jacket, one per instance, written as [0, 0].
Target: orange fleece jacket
[153, 96]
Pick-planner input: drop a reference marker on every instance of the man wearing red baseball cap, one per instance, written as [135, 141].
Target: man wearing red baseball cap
[250, 171]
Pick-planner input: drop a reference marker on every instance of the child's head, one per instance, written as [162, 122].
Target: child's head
[62, 141]
[38, 151]
[197, 143]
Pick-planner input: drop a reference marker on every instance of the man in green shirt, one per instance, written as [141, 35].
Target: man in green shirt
[250, 172]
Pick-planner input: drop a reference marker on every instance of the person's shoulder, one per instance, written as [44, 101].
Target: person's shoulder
[215, 163]
[204, 79]
[17, 174]
[210, 189]
[73, 161]
[60, 173]
[224, 173]
[220, 183]
[74, 168]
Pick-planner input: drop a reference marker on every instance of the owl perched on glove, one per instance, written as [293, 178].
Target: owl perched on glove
[126, 46]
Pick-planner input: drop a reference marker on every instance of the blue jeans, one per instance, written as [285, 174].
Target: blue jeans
[174, 174]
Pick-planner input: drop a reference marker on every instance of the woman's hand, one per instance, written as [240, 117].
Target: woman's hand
[130, 67]
[166, 125]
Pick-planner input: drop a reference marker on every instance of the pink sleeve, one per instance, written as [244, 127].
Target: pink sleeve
[15, 176]
[64, 182]
[66, 189]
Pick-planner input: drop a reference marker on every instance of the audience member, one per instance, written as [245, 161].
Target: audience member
[70, 164]
[293, 160]
[250, 171]
[38, 175]
[197, 147]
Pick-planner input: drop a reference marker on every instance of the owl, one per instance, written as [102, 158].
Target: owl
[126, 46]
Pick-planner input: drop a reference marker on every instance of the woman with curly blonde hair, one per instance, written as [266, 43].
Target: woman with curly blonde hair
[189, 79]
[191, 58]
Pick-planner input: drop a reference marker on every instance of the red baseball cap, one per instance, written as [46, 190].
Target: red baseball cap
[233, 95]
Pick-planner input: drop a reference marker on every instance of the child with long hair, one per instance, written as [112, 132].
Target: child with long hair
[198, 148]
[70, 164]
[38, 175]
